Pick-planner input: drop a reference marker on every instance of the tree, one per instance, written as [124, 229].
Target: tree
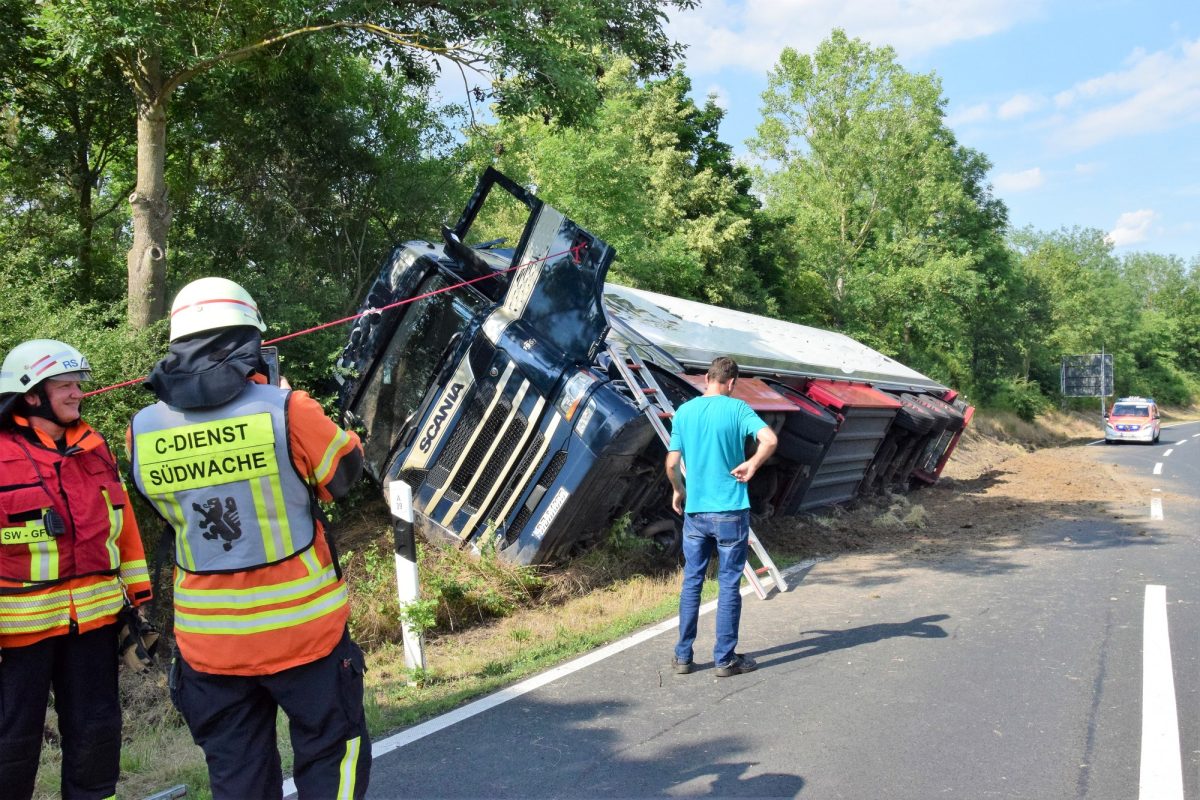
[648, 174]
[892, 217]
[1089, 307]
[541, 56]
[301, 174]
[66, 129]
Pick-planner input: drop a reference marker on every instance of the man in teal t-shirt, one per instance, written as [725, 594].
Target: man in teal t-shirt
[708, 441]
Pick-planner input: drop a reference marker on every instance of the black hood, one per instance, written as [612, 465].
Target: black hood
[208, 369]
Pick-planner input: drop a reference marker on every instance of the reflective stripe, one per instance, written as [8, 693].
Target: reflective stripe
[321, 473]
[43, 561]
[16, 603]
[56, 618]
[86, 593]
[172, 512]
[309, 559]
[134, 572]
[100, 607]
[30, 614]
[116, 521]
[347, 770]
[270, 531]
[262, 621]
[258, 596]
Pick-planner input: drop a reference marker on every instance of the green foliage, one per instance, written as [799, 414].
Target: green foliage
[421, 615]
[117, 353]
[894, 224]
[457, 590]
[647, 173]
[1020, 396]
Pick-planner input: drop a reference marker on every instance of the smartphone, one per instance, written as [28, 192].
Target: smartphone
[270, 357]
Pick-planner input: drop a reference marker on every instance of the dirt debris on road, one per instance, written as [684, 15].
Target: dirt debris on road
[991, 494]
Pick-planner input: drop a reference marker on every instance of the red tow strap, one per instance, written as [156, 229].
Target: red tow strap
[576, 254]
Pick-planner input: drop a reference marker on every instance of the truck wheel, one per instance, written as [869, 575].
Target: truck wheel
[798, 449]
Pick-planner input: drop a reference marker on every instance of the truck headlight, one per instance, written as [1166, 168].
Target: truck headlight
[576, 387]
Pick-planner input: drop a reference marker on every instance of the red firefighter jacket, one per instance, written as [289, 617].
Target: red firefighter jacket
[70, 550]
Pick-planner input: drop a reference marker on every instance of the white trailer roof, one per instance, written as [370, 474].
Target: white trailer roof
[696, 333]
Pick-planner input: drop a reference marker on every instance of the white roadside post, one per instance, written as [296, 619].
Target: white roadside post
[408, 587]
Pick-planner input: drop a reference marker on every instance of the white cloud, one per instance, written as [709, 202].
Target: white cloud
[1132, 227]
[1155, 92]
[749, 34]
[1019, 105]
[976, 113]
[1021, 181]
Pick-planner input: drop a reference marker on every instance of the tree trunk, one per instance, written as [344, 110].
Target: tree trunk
[147, 259]
[85, 218]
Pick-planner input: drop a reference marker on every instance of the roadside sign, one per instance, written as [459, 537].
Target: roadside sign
[1087, 375]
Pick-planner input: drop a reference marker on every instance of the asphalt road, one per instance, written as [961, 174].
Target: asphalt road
[1031, 672]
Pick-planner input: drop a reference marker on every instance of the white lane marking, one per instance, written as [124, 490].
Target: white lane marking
[1156, 508]
[1169, 451]
[406, 737]
[1158, 468]
[1161, 770]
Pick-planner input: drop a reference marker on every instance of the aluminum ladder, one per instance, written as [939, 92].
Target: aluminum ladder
[652, 401]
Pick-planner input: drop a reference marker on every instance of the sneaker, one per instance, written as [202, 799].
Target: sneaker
[681, 667]
[737, 666]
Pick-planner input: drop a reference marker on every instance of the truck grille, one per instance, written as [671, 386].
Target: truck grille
[458, 440]
[414, 477]
[548, 476]
[494, 469]
[483, 442]
[516, 480]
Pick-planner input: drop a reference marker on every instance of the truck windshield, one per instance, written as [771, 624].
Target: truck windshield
[405, 368]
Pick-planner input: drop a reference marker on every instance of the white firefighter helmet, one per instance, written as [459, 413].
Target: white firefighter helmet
[37, 360]
[211, 303]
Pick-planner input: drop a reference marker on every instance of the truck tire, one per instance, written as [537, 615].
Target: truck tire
[798, 449]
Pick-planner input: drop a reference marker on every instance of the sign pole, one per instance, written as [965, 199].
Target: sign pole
[1103, 382]
[408, 588]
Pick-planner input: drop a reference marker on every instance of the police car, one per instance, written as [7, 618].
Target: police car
[1132, 419]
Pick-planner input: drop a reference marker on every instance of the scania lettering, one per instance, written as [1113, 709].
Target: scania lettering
[442, 413]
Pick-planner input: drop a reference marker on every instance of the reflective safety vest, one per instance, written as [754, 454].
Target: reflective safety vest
[224, 480]
[69, 545]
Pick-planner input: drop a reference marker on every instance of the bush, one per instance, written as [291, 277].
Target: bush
[117, 352]
[1022, 397]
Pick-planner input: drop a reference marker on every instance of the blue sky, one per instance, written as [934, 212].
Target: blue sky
[1088, 111]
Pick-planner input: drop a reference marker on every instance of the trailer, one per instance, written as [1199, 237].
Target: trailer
[498, 383]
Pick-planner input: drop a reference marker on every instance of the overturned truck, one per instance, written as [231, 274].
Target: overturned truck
[524, 400]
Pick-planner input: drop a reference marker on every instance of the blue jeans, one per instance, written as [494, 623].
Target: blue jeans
[727, 532]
